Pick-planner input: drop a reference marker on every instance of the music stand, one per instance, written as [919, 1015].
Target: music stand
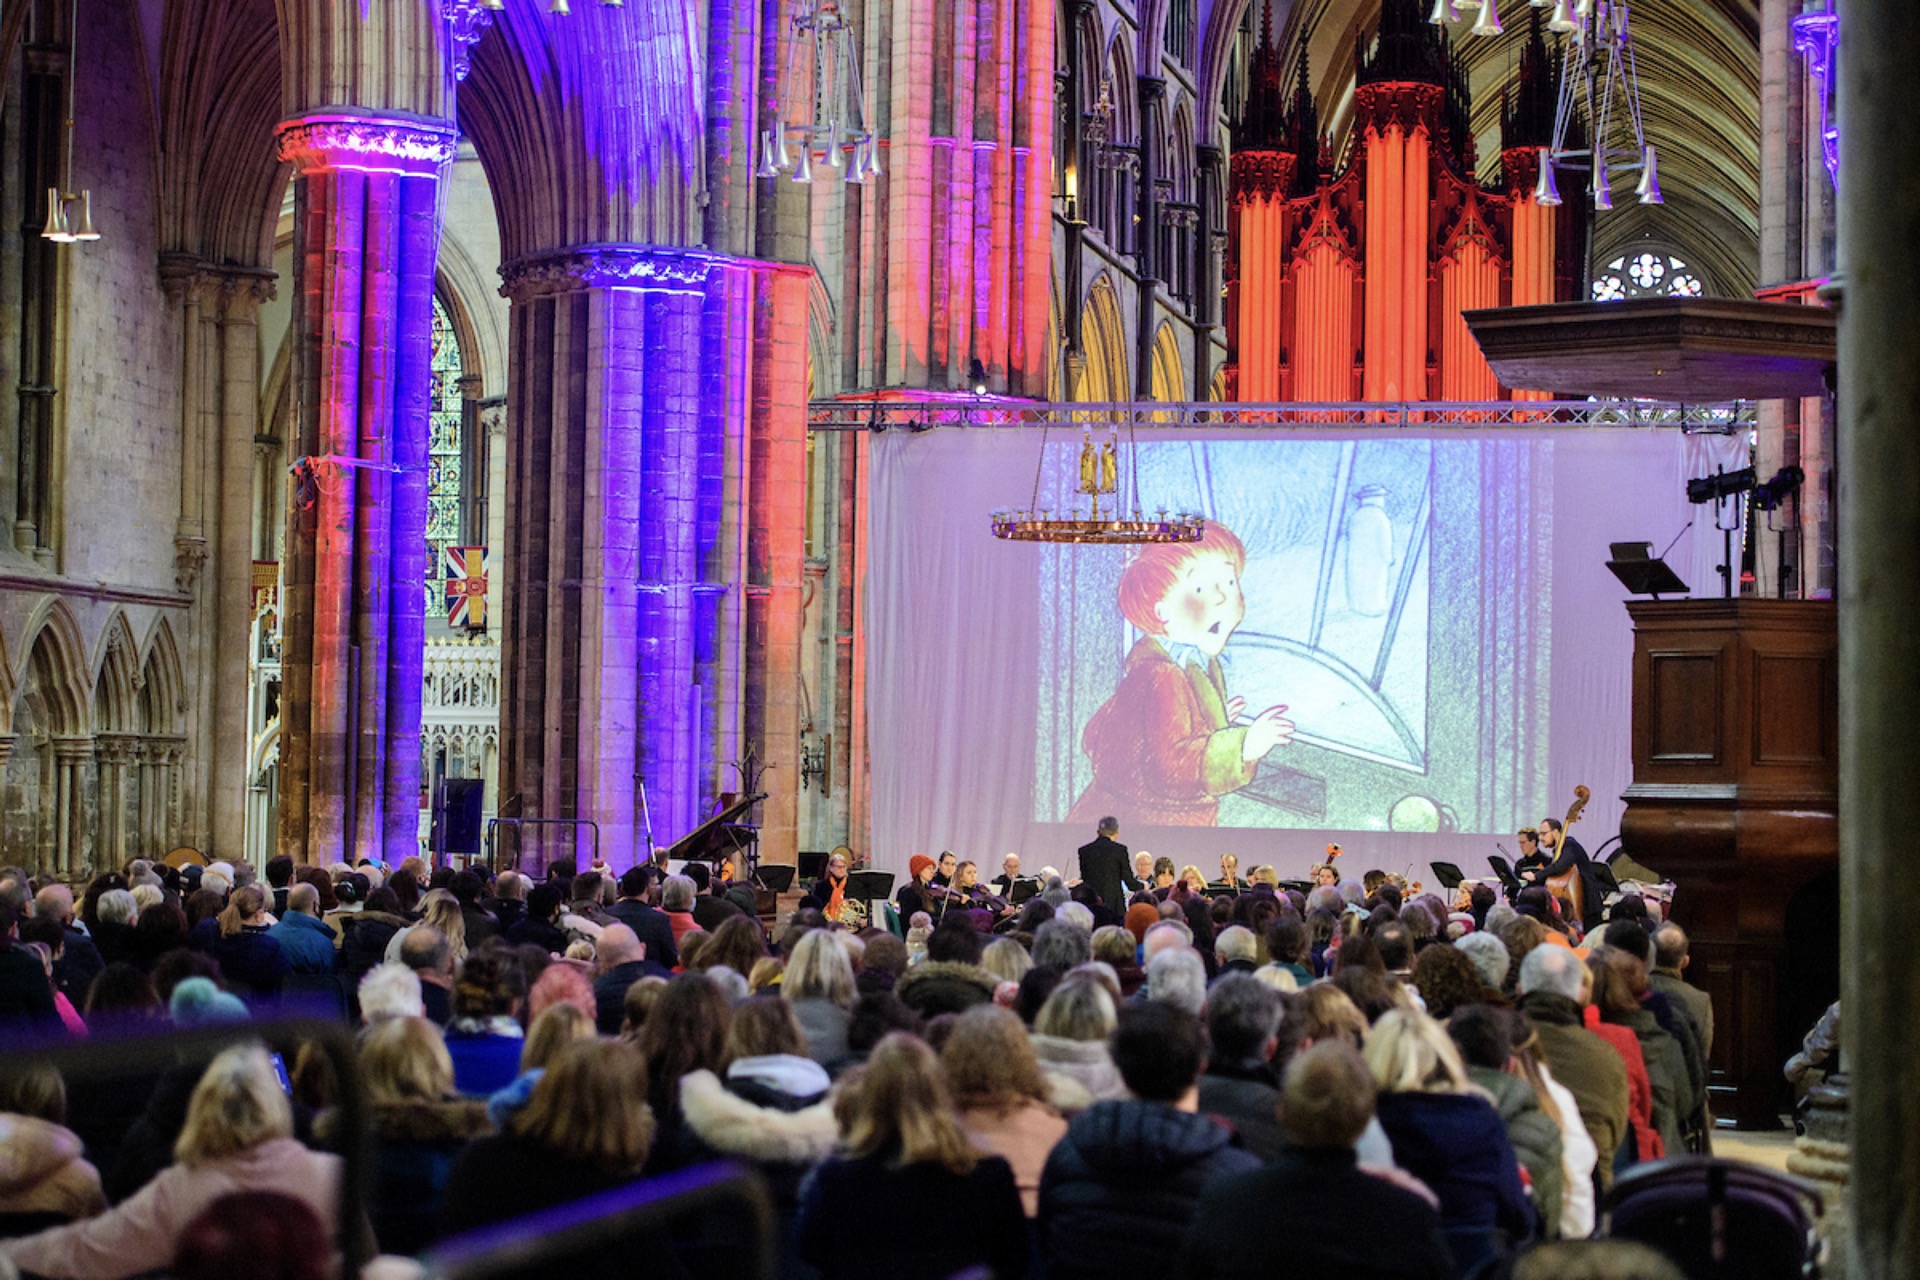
[1504, 869]
[812, 864]
[777, 878]
[870, 886]
[1641, 572]
[1449, 876]
[1023, 890]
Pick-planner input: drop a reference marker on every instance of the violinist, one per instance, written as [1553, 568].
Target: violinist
[1230, 874]
[967, 891]
[1002, 884]
[944, 876]
[917, 893]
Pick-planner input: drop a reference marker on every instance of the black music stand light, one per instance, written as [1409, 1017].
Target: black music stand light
[1641, 572]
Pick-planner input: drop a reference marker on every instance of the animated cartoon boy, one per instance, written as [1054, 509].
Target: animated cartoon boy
[1166, 746]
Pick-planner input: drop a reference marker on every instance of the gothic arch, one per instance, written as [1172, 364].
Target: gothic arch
[162, 687]
[55, 673]
[1103, 378]
[116, 679]
[1169, 371]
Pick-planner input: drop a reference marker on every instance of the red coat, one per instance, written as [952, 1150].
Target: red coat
[1163, 753]
[1639, 1084]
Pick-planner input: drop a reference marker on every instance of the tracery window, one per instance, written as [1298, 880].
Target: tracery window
[446, 457]
[1650, 273]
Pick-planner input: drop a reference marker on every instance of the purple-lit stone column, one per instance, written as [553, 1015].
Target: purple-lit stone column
[614, 563]
[366, 231]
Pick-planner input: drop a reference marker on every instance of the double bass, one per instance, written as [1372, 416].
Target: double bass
[1568, 885]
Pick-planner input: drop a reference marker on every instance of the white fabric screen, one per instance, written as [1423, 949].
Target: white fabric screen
[1433, 608]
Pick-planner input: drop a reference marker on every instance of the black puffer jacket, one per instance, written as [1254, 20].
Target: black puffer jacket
[1119, 1190]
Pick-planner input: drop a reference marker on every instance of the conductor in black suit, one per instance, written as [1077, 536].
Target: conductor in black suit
[1104, 866]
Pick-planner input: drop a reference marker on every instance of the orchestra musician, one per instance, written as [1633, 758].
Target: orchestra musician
[829, 892]
[1002, 884]
[917, 893]
[1230, 874]
[1194, 880]
[1569, 856]
[968, 893]
[1531, 859]
[1142, 879]
[944, 876]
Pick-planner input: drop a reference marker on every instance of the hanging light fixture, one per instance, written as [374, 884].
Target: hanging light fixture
[1546, 192]
[1488, 24]
[1600, 82]
[821, 39]
[62, 226]
[1108, 475]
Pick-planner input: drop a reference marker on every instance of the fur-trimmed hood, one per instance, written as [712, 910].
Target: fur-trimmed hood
[450, 1120]
[944, 986]
[734, 1126]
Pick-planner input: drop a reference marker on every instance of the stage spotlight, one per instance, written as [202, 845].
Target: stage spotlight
[1786, 481]
[1721, 485]
[977, 377]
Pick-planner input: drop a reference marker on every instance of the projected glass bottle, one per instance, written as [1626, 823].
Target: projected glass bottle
[1369, 538]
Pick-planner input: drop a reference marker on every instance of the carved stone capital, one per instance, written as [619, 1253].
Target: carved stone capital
[73, 750]
[185, 275]
[609, 266]
[189, 557]
[373, 144]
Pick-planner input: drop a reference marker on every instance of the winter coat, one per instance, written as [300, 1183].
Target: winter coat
[1667, 1071]
[1079, 1072]
[414, 1147]
[1535, 1138]
[306, 942]
[1455, 1143]
[1024, 1136]
[251, 962]
[1324, 1215]
[610, 992]
[772, 1113]
[1121, 1186]
[143, 1233]
[79, 964]
[870, 1219]
[934, 987]
[1691, 1000]
[1649, 1144]
[486, 1055]
[43, 1179]
[26, 997]
[1246, 1097]
[364, 946]
[1587, 1067]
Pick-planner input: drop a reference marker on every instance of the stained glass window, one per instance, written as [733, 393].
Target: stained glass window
[1647, 274]
[445, 458]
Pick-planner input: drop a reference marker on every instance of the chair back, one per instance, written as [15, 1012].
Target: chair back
[1717, 1219]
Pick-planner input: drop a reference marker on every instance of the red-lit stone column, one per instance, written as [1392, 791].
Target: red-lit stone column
[366, 230]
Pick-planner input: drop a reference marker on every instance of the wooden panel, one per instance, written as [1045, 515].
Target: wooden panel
[1789, 698]
[1684, 707]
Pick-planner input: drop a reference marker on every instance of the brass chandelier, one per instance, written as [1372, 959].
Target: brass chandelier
[1100, 477]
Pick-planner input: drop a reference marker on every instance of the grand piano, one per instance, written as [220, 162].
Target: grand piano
[722, 836]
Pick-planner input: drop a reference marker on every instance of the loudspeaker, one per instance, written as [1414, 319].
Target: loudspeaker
[459, 819]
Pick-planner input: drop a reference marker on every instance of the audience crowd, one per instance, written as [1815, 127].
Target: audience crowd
[1204, 1080]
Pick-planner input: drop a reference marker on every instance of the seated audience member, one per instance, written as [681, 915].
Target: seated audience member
[238, 1137]
[1288, 948]
[46, 940]
[676, 900]
[1178, 977]
[1235, 950]
[484, 1036]
[1061, 946]
[264, 1235]
[685, 1031]
[1484, 1036]
[1670, 960]
[709, 910]
[909, 1197]
[1446, 979]
[1446, 1133]
[1241, 1087]
[1630, 942]
[1117, 948]
[390, 991]
[649, 923]
[1335, 1219]
[769, 1110]
[26, 996]
[466, 887]
[552, 1029]
[304, 939]
[1008, 961]
[368, 933]
[585, 1130]
[1551, 980]
[818, 982]
[250, 960]
[429, 954]
[44, 1181]
[738, 943]
[438, 910]
[950, 979]
[1491, 960]
[622, 961]
[1070, 1040]
[80, 961]
[418, 1125]
[1120, 1188]
[540, 927]
[1655, 1078]
[1001, 1094]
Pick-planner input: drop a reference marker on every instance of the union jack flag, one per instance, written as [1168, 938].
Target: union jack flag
[465, 570]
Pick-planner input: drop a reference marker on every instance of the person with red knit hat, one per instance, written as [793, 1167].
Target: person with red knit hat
[914, 895]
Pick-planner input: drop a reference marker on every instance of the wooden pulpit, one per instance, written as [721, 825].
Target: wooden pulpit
[1735, 798]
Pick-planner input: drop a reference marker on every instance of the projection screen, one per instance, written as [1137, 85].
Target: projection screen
[1430, 607]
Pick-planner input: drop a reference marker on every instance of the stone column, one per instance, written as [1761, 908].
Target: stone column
[1879, 571]
[635, 373]
[70, 756]
[366, 230]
